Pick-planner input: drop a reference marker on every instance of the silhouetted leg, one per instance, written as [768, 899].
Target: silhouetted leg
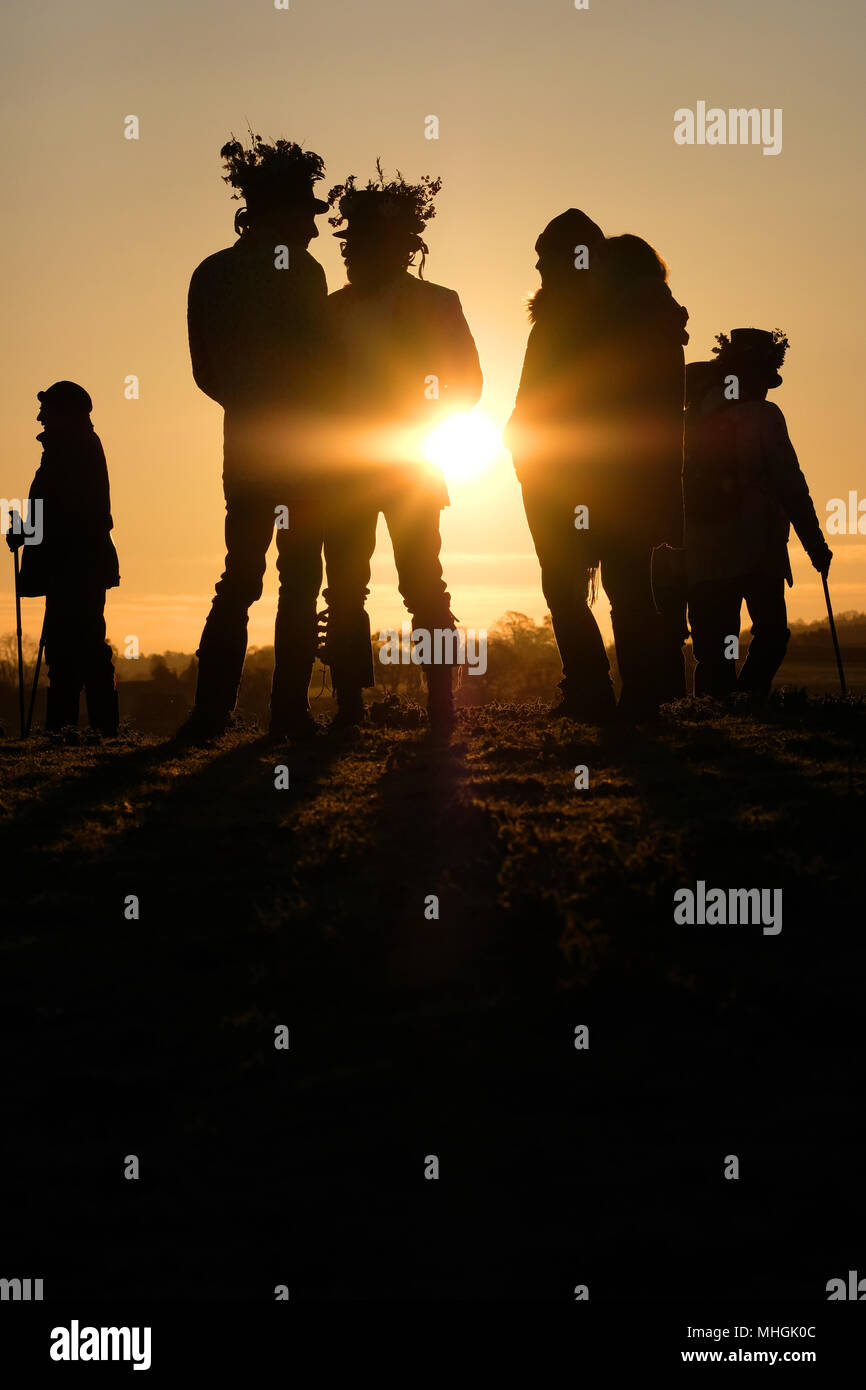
[714, 616]
[563, 555]
[299, 565]
[648, 646]
[670, 600]
[63, 657]
[413, 524]
[249, 528]
[672, 658]
[100, 684]
[765, 600]
[350, 540]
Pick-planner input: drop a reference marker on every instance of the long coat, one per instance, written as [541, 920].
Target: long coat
[71, 488]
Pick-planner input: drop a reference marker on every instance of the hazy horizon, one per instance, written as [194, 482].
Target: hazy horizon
[540, 107]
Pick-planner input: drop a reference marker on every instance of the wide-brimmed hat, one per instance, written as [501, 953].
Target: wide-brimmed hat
[66, 395]
[756, 349]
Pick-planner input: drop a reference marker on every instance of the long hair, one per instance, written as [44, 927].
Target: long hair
[631, 255]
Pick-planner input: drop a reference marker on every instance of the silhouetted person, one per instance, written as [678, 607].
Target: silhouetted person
[406, 358]
[256, 326]
[641, 500]
[596, 437]
[75, 561]
[744, 489]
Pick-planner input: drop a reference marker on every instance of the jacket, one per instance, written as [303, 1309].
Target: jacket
[257, 345]
[744, 489]
[404, 359]
[71, 488]
[599, 409]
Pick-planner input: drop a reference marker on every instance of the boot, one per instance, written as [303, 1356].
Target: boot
[291, 717]
[351, 710]
[293, 723]
[584, 707]
[202, 726]
[61, 708]
[103, 710]
[440, 702]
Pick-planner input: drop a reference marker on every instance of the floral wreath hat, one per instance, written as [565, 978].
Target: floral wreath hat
[755, 347]
[279, 173]
[392, 209]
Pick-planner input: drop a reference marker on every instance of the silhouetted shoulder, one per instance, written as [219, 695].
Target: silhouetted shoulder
[215, 266]
[772, 418]
[235, 261]
[650, 304]
[771, 426]
[434, 294]
[420, 291]
[311, 269]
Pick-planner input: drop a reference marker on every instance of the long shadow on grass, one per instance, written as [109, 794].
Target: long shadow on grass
[210, 801]
[150, 1034]
[440, 891]
[741, 812]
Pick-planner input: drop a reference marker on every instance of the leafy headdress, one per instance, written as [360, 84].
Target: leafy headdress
[273, 174]
[753, 347]
[391, 209]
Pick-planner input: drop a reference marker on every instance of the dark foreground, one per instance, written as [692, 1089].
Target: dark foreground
[453, 1037]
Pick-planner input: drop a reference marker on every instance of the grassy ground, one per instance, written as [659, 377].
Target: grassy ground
[411, 1037]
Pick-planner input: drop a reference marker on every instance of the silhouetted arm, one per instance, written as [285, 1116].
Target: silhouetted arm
[670, 419]
[644, 344]
[204, 370]
[789, 484]
[514, 436]
[78, 491]
[318, 280]
[464, 380]
[98, 520]
[555, 399]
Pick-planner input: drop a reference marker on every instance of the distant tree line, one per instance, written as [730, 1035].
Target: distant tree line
[522, 665]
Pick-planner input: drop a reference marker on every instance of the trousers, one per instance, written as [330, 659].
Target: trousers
[714, 616]
[648, 644]
[251, 516]
[78, 656]
[412, 518]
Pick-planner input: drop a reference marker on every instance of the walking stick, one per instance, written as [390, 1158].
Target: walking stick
[35, 682]
[833, 635]
[20, 648]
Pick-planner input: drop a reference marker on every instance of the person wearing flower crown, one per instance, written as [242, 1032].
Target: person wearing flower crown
[257, 342]
[743, 490]
[405, 358]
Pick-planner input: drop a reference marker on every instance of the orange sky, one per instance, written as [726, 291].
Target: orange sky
[540, 107]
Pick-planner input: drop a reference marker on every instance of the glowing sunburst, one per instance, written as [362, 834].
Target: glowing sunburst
[463, 446]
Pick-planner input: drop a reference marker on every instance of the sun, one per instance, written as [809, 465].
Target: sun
[463, 446]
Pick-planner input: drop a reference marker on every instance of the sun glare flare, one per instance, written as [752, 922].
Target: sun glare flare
[463, 446]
